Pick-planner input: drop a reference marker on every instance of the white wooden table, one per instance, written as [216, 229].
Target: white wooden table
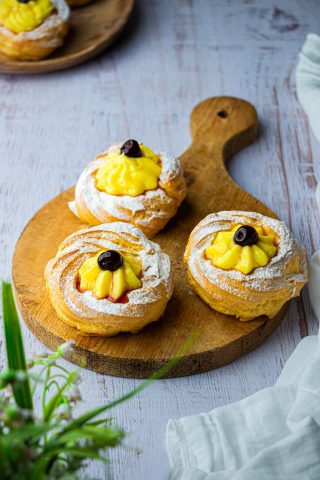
[174, 54]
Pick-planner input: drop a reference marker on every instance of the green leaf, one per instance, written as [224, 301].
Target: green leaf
[30, 431]
[56, 399]
[86, 417]
[100, 436]
[14, 344]
[46, 461]
[99, 422]
[80, 452]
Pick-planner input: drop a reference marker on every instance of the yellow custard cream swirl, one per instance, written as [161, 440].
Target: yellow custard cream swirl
[224, 253]
[109, 283]
[24, 17]
[125, 174]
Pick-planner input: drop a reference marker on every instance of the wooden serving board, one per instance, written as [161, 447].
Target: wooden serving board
[93, 28]
[220, 127]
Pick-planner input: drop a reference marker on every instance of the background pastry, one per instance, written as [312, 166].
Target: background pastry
[132, 184]
[245, 264]
[32, 29]
[109, 279]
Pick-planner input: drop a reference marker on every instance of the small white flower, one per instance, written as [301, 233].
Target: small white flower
[40, 355]
[63, 410]
[74, 395]
[21, 376]
[26, 414]
[30, 363]
[8, 391]
[66, 347]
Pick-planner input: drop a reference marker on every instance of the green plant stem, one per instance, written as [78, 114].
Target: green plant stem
[156, 376]
[54, 401]
[46, 364]
[55, 446]
[14, 345]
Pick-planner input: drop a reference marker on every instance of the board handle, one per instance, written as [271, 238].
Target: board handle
[220, 127]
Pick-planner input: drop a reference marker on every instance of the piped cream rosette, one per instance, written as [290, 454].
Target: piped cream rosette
[264, 290]
[39, 42]
[95, 316]
[149, 211]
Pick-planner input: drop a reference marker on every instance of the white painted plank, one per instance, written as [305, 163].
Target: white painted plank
[175, 54]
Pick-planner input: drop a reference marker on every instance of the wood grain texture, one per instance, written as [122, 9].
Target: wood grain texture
[220, 127]
[174, 54]
[93, 27]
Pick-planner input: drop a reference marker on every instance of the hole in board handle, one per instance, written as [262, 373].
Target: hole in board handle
[222, 114]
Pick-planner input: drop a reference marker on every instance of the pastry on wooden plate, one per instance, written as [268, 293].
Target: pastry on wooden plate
[109, 279]
[32, 29]
[245, 264]
[130, 183]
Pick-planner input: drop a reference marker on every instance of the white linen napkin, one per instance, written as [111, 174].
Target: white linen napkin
[308, 81]
[271, 435]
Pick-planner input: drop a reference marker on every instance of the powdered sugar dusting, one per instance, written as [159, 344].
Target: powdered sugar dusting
[156, 278]
[271, 277]
[141, 209]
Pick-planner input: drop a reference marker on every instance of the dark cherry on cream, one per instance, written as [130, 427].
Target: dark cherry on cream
[131, 148]
[245, 236]
[110, 260]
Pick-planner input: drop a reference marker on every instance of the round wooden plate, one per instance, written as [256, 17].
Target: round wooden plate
[220, 127]
[93, 28]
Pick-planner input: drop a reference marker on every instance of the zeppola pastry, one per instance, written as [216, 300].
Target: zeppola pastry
[245, 264]
[109, 279]
[132, 184]
[32, 29]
